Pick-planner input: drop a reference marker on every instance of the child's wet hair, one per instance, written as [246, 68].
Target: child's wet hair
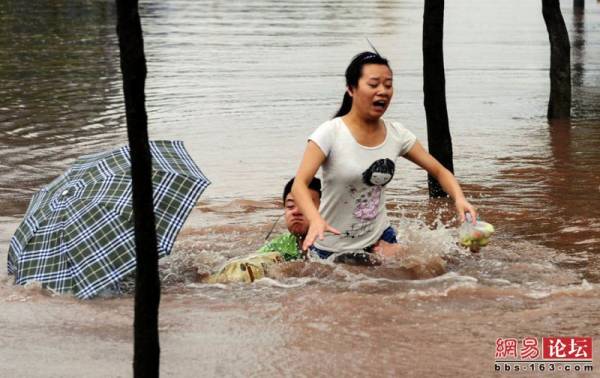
[315, 184]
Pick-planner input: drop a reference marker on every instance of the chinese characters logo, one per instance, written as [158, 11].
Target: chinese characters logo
[562, 354]
[552, 348]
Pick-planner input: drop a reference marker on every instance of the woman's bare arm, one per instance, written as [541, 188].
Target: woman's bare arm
[312, 160]
[422, 158]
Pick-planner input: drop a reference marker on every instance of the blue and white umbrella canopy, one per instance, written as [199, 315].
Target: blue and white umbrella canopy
[78, 235]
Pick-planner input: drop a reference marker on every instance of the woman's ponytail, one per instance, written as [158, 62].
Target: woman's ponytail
[346, 106]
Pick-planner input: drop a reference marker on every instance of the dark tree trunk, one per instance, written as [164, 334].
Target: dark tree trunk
[577, 54]
[147, 285]
[434, 88]
[559, 106]
[579, 4]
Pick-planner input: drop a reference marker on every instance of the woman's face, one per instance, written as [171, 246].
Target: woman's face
[374, 92]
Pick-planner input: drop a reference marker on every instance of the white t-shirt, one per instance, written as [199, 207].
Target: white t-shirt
[354, 177]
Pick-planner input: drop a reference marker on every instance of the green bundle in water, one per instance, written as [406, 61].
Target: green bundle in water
[475, 236]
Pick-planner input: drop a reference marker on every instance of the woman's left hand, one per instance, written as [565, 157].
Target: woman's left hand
[463, 206]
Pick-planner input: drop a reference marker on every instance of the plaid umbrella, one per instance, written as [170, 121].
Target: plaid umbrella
[78, 235]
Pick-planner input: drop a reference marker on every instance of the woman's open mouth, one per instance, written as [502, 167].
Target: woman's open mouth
[379, 104]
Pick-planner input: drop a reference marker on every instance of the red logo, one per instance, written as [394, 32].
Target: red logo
[567, 348]
[529, 348]
[506, 348]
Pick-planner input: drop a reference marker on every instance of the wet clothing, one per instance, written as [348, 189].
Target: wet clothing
[256, 265]
[354, 179]
[389, 235]
[286, 245]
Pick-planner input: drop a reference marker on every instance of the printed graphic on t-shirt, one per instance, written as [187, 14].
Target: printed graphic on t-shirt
[358, 229]
[379, 173]
[366, 206]
[366, 202]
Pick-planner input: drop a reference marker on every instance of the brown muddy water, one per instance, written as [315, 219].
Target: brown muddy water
[243, 84]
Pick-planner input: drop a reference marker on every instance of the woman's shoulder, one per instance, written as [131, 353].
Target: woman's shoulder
[403, 137]
[326, 135]
[396, 126]
[329, 127]
[331, 124]
[398, 129]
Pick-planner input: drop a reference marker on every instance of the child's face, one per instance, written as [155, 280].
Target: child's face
[296, 222]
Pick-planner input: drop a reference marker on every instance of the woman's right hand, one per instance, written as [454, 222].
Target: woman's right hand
[317, 228]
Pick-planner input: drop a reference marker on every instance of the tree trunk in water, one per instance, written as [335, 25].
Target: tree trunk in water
[147, 285]
[577, 40]
[559, 106]
[434, 88]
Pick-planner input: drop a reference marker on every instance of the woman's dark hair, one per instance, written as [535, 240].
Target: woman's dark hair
[353, 73]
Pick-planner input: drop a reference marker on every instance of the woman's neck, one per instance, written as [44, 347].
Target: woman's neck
[366, 132]
[366, 124]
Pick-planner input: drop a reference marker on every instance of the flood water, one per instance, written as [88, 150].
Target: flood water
[243, 84]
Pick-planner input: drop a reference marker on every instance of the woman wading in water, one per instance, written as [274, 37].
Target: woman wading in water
[357, 150]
